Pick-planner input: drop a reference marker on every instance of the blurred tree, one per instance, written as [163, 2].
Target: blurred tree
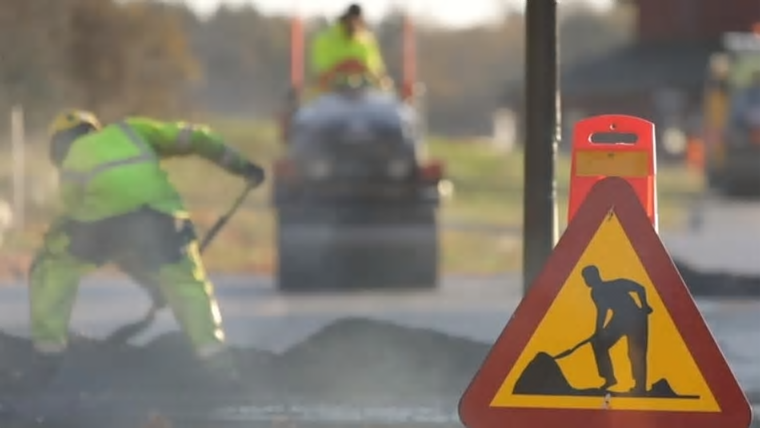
[28, 60]
[162, 65]
[245, 58]
[586, 32]
[160, 58]
[97, 62]
[127, 58]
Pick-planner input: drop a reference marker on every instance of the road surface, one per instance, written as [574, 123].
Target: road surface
[476, 308]
[728, 239]
[726, 236]
[258, 316]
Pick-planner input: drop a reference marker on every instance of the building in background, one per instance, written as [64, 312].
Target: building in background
[660, 75]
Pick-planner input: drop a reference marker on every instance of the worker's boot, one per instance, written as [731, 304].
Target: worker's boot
[609, 382]
[638, 390]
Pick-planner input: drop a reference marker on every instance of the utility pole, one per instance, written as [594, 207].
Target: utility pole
[542, 133]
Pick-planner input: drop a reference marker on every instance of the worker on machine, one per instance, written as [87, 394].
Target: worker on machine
[118, 204]
[747, 107]
[348, 39]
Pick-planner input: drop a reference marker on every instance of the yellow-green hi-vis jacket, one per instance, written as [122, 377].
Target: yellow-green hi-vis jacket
[117, 169]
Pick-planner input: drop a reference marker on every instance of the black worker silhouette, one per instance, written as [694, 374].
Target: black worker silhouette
[628, 319]
[622, 311]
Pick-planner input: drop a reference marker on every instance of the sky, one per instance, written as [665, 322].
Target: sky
[454, 13]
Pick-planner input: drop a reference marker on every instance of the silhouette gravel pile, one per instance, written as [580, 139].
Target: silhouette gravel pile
[544, 376]
[352, 361]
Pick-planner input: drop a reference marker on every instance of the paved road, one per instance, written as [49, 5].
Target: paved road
[258, 316]
[727, 236]
[475, 308]
[722, 234]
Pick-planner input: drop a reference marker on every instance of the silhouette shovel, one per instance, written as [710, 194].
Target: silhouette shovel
[563, 354]
[567, 352]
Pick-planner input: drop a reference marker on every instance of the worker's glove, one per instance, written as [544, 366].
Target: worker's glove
[253, 174]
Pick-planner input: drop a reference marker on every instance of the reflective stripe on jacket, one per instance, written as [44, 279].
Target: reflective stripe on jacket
[117, 170]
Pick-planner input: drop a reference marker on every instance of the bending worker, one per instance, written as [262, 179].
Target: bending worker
[119, 206]
[348, 39]
[629, 319]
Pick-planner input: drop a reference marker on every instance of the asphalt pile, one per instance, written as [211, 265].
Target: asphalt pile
[359, 360]
[351, 362]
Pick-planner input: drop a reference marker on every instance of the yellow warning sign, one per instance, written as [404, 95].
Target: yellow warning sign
[607, 341]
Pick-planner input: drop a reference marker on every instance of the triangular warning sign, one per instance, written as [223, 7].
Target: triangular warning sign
[607, 336]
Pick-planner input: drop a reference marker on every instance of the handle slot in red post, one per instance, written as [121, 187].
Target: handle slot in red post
[614, 138]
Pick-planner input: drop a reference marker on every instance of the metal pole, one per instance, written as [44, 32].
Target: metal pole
[19, 164]
[542, 132]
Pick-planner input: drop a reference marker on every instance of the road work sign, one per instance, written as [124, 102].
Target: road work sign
[607, 336]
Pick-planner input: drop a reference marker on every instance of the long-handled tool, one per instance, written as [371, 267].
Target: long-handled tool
[123, 334]
[567, 352]
[646, 309]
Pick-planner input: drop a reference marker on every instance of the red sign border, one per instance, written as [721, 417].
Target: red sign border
[616, 194]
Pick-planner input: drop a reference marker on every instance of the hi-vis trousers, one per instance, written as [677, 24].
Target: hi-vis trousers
[153, 247]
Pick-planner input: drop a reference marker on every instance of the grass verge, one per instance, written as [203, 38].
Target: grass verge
[487, 200]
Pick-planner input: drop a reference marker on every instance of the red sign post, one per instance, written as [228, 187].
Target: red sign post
[614, 145]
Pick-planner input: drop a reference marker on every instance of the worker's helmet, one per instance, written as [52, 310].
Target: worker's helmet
[353, 13]
[66, 127]
[354, 10]
[71, 119]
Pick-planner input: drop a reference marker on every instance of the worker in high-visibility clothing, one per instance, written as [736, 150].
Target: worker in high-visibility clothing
[348, 39]
[118, 205]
